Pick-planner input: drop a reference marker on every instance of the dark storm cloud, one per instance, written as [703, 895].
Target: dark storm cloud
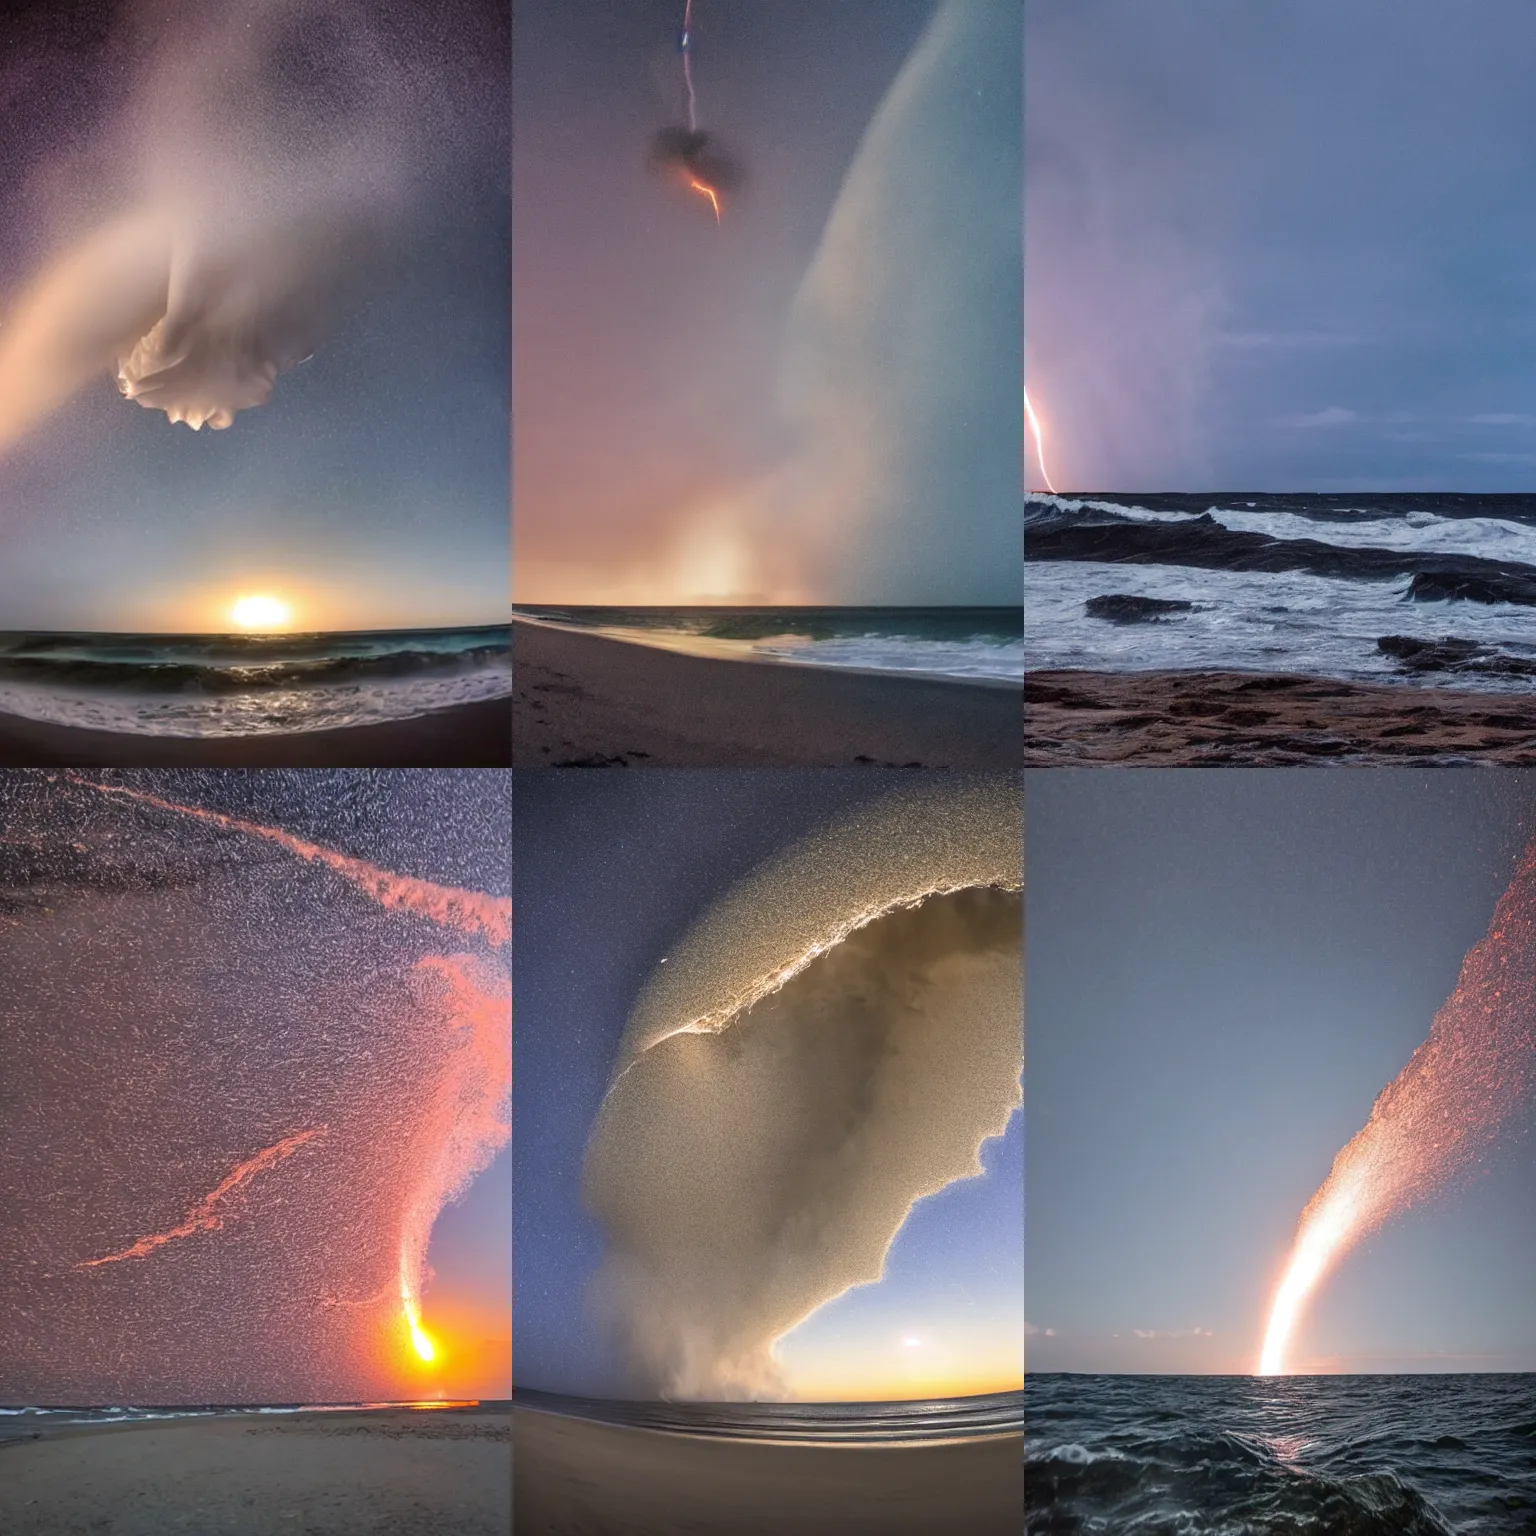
[694, 152]
[1281, 247]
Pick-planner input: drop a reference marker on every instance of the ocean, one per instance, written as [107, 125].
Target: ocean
[952, 1418]
[965, 644]
[238, 685]
[28, 1423]
[1281, 1456]
[1420, 589]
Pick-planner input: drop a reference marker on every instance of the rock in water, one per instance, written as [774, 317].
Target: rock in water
[1125, 608]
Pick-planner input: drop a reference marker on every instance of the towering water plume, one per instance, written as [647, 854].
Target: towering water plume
[831, 1042]
[466, 1001]
[1442, 1111]
[905, 346]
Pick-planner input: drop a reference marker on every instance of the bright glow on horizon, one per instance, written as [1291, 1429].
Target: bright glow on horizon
[421, 1340]
[261, 611]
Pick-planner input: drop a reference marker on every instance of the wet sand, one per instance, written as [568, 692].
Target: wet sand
[467, 736]
[577, 1478]
[321, 1474]
[592, 701]
[1188, 719]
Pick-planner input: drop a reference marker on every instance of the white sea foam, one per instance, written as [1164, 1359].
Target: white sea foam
[1487, 538]
[1289, 621]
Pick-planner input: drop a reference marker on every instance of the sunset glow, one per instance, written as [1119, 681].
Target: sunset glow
[260, 611]
[421, 1340]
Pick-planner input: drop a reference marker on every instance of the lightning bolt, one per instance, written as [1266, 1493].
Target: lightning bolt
[704, 188]
[1034, 427]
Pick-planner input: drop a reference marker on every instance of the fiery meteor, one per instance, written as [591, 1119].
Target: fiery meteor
[687, 151]
[1034, 427]
[205, 1216]
[1442, 1111]
[466, 1120]
[420, 1338]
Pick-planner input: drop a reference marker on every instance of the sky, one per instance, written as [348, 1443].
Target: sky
[1225, 970]
[817, 398]
[1281, 248]
[372, 491]
[611, 870]
[181, 998]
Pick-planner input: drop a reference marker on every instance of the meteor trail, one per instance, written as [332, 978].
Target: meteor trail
[205, 1216]
[1034, 427]
[468, 911]
[1429, 1124]
[468, 999]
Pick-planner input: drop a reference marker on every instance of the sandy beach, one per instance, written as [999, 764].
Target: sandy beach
[1185, 719]
[578, 1478]
[467, 736]
[320, 1474]
[591, 701]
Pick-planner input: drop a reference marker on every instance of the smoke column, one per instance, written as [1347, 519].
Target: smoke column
[833, 1040]
[1440, 1113]
[205, 1216]
[468, 1119]
[265, 148]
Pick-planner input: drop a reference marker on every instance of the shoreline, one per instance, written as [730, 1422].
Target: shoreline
[581, 1475]
[477, 735]
[1252, 719]
[409, 1471]
[590, 700]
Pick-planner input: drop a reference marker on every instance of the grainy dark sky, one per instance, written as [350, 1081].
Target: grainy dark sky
[1281, 247]
[179, 998]
[373, 490]
[1224, 970]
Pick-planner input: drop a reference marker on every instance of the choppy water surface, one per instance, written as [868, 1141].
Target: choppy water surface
[237, 685]
[1419, 589]
[1281, 1456]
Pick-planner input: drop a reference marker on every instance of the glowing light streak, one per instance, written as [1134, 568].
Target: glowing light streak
[1034, 427]
[1432, 1121]
[205, 1216]
[468, 911]
[687, 47]
[704, 188]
